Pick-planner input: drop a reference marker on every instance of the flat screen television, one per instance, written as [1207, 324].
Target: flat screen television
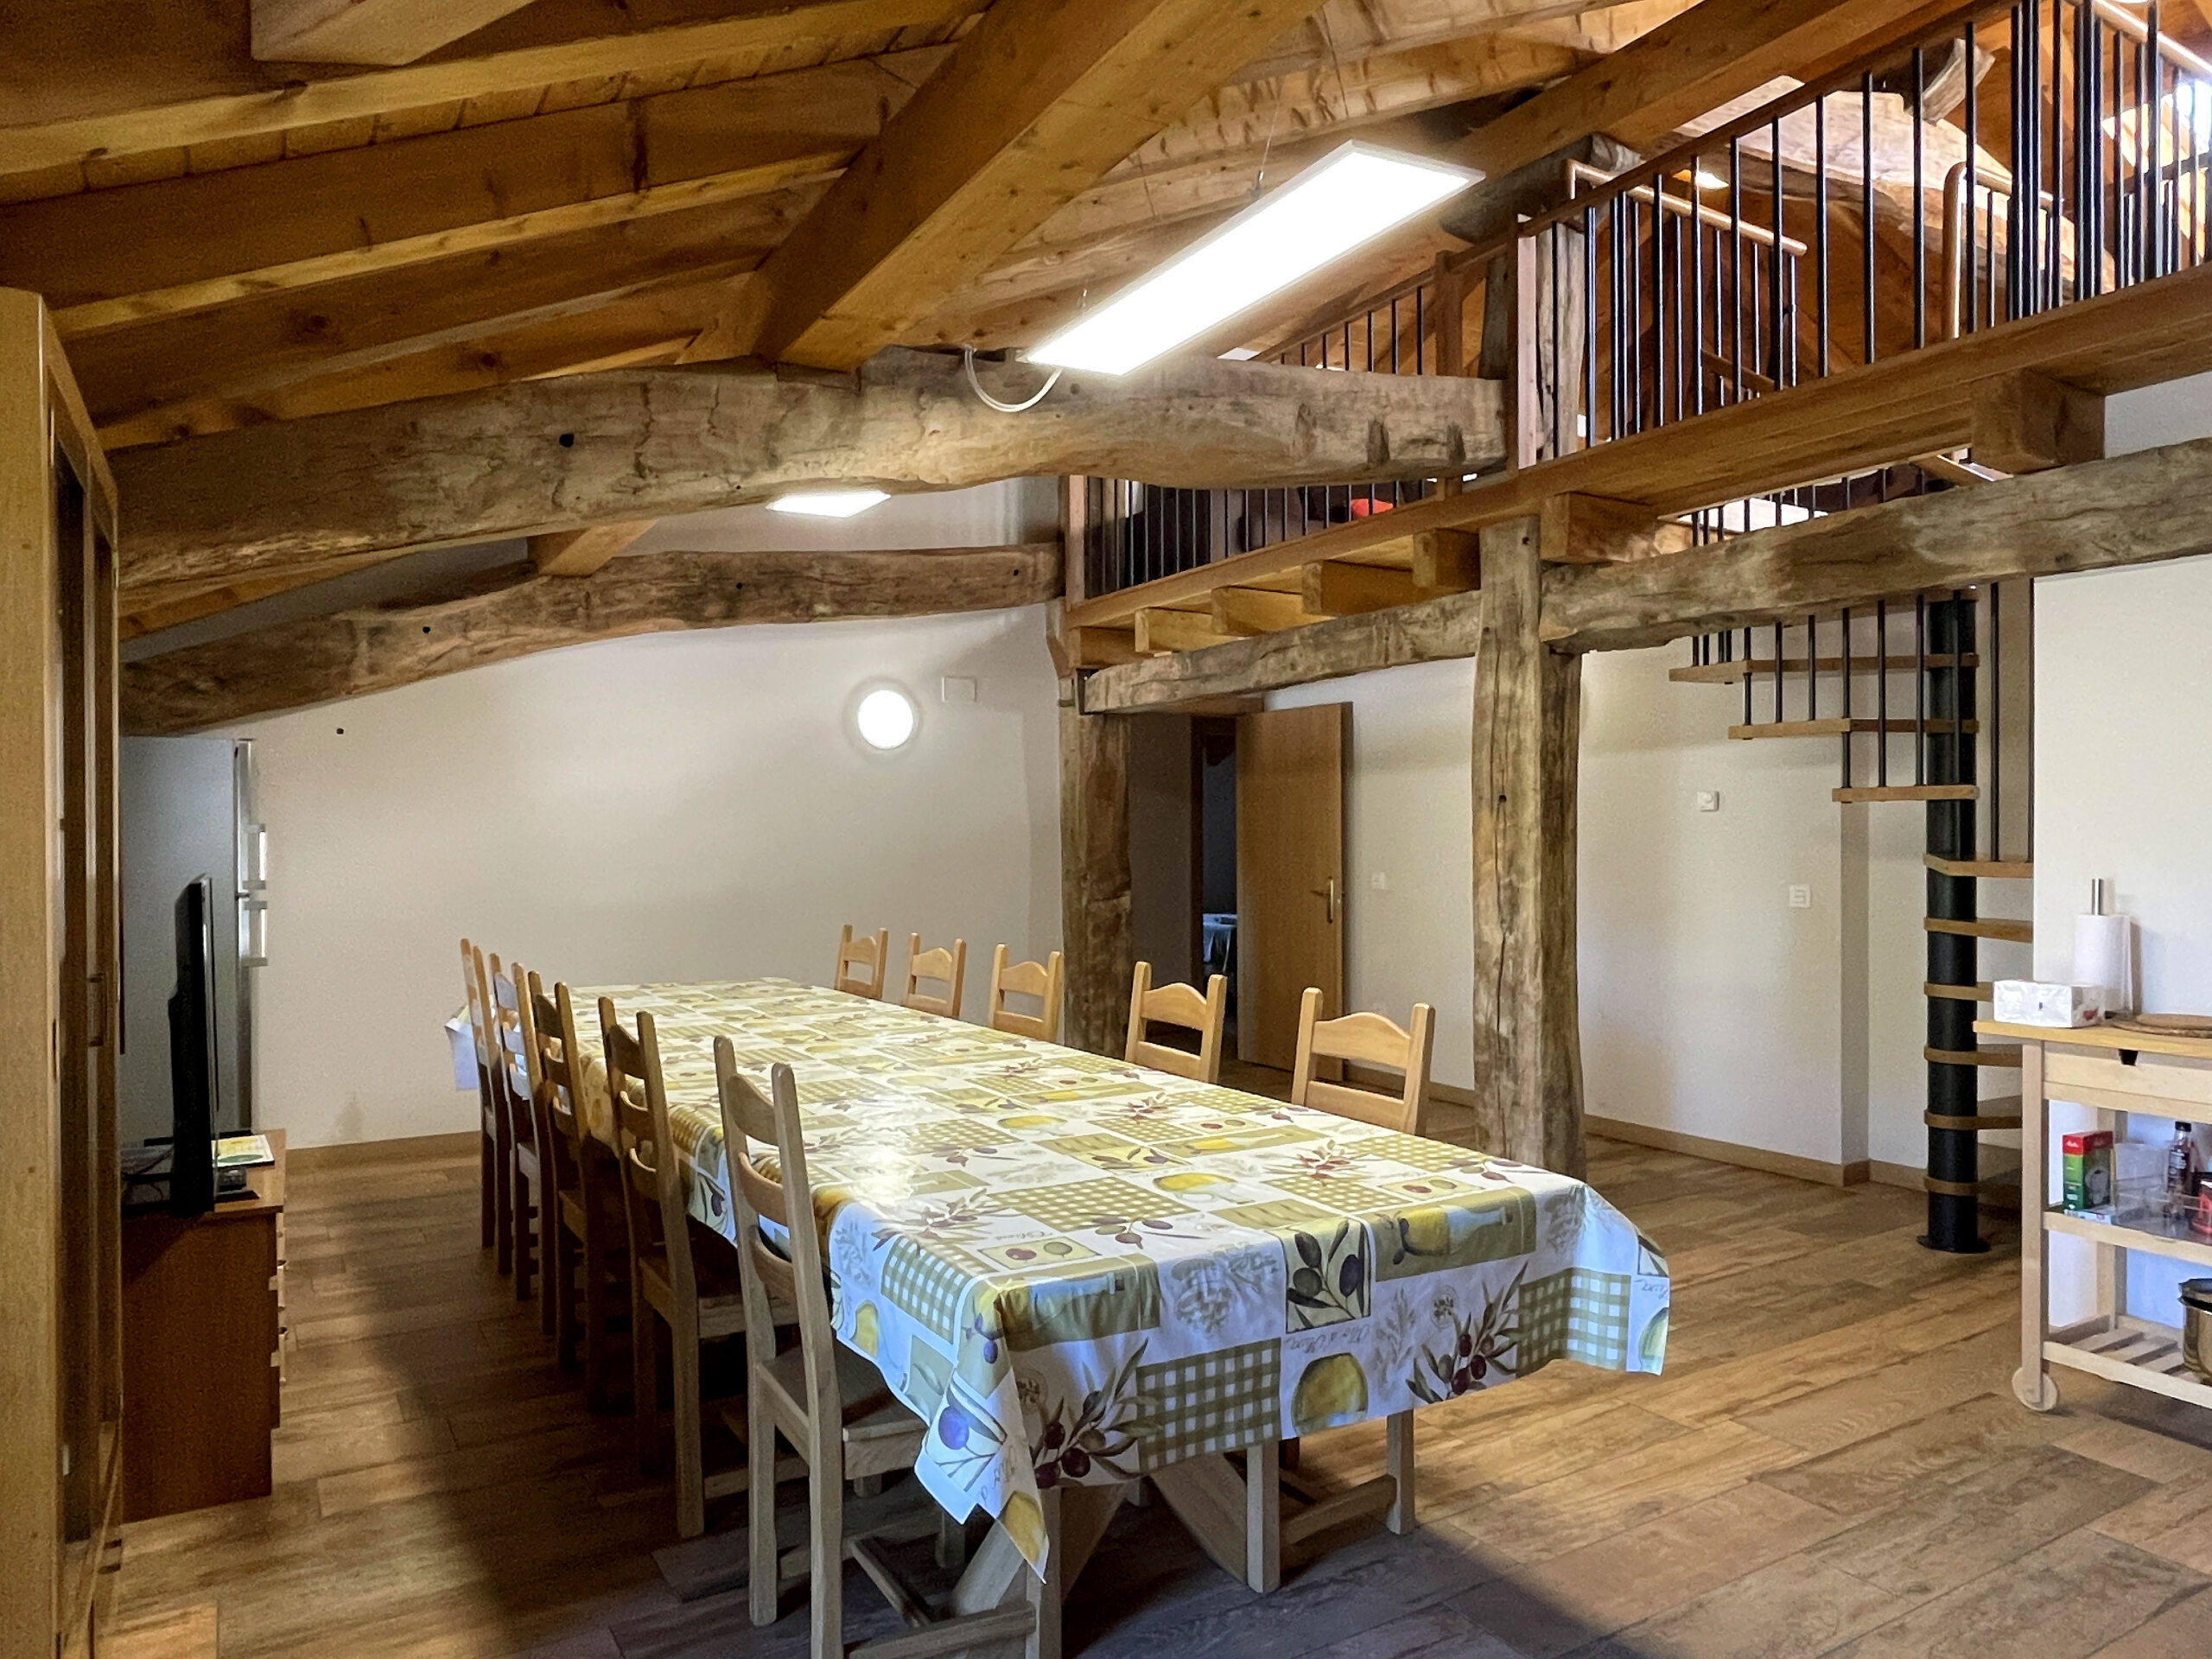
[193, 1080]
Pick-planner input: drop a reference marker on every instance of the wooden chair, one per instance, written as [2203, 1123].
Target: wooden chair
[584, 1251]
[1038, 980]
[511, 1084]
[1178, 1005]
[492, 1144]
[942, 966]
[829, 1403]
[688, 1277]
[872, 955]
[1364, 1039]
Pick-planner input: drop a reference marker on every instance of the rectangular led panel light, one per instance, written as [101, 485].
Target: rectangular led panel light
[1349, 198]
[827, 503]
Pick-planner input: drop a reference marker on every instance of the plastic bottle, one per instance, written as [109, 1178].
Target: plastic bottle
[2181, 1173]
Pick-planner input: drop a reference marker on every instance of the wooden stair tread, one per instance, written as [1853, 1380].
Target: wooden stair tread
[1731, 673]
[1983, 928]
[2004, 1055]
[1910, 792]
[1837, 726]
[1981, 991]
[1981, 870]
[1995, 1112]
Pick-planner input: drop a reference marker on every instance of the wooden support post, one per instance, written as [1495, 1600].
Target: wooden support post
[1527, 1074]
[1094, 874]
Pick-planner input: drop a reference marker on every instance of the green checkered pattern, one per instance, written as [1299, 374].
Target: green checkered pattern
[935, 1292]
[1210, 1402]
[1578, 1314]
[1078, 1206]
[1338, 1196]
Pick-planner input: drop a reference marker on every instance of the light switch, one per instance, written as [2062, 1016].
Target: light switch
[958, 688]
[1379, 881]
[1801, 897]
[1708, 800]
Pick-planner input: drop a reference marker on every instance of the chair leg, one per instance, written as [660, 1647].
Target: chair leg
[487, 1155]
[826, 1553]
[561, 1287]
[644, 1390]
[504, 1244]
[592, 1264]
[691, 1455]
[526, 1257]
[760, 1504]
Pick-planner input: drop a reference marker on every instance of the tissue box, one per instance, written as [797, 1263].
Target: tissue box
[2029, 1002]
[2088, 1170]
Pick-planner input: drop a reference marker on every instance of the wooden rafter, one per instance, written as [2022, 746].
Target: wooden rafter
[1039, 100]
[516, 611]
[562, 454]
[367, 31]
[581, 552]
[101, 82]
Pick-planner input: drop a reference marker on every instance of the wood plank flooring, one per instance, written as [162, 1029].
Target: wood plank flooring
[1832, 1464]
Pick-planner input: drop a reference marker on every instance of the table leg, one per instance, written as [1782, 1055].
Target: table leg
[1075, 1518]
[1400, 1517]
[1264, 1516]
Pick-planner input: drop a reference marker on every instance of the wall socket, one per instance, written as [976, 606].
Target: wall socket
[1708, 800]
[1379, 881]
[1801, 897]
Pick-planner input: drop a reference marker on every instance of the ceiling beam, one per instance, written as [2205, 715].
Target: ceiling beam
[1039, 100]
[581, 552]
[2138, 509]
[502, 615]
[623, 444]
[367, 31]
[97, 83]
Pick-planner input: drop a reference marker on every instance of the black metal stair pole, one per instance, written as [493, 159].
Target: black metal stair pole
[1953, 1222]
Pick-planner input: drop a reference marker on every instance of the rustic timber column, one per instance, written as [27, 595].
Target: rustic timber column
[1527, 724]
[1094, 874]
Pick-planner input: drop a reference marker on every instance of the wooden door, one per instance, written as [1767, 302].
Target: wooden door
[60, 1197]
[1290, 873]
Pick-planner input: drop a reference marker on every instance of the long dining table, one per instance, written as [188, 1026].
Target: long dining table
[1081, 1272]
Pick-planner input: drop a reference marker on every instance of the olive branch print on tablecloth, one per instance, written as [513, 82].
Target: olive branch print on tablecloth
[1101, 1432]
[1329, 1283]
[1478, 1347]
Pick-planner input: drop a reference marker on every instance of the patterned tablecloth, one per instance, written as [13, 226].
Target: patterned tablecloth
[1075, 1269]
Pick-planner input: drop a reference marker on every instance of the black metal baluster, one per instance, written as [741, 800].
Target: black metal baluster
[1736, 264]
[1919, 216]
[1866, 203]
[1659, 300]
[1821, 224]
[1589, 433]
[1919, 689]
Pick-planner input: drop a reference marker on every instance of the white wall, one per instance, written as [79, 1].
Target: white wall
[1409, 818]
[2123, 792]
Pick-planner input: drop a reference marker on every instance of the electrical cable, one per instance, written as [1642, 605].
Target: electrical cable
[968, 357]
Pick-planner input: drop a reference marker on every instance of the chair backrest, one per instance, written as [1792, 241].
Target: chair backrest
[1040, 980]
[652, 1180]
[1364, 1039]
[549, 1025]
[940, 966]
[510, 1058]
[1178, 1005]
[791, 1278]
[870, 955]
[472, 976]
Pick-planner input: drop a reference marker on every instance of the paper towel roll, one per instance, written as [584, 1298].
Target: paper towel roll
[2104, 954]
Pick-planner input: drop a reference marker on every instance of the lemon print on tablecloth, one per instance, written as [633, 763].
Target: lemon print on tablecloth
[1024, 1520]
[867, 1329]
[1029, 1121]
[1191, 1180]
[1333, 1390]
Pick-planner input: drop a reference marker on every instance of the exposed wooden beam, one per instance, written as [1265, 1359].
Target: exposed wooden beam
[1436, 630]
[155, 611]
[1335, 589]
[367, 31]
[2025, 421]
[624, 444]
[517, 611]
[1160, 631]
[2137, 509]
[1243, 611]
[1871, 417]
[1592, 529]
[187, 80]
[1527, 1060]
[107, 258]
[1038, 101]
[580, 552]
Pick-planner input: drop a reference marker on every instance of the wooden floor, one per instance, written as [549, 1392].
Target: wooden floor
[1833, 1463]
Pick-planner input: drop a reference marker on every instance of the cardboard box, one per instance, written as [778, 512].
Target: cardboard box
[2087, 1166]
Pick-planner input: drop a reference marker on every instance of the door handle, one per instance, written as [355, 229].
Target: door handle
[1330, 894]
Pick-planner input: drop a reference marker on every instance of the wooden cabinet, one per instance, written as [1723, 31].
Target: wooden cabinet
[60, 1371]
[202, 1327]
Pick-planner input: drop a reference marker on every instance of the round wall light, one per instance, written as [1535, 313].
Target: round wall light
[885, 718]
